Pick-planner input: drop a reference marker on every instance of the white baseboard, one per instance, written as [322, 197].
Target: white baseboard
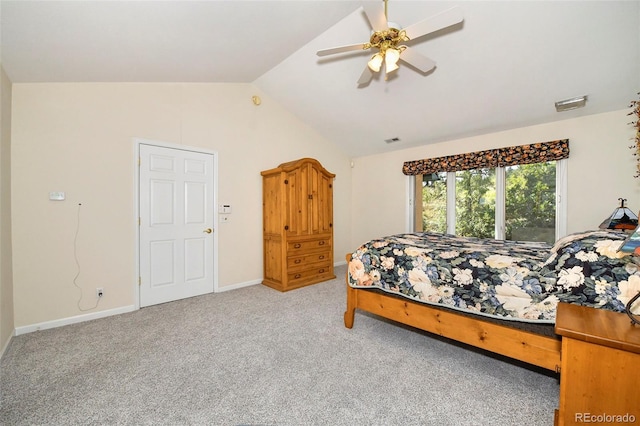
[259, 281]
[102, 314]
[72, 320]
[237, 286]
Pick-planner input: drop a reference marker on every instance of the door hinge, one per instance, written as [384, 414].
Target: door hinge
[139, 161]
[139, 281]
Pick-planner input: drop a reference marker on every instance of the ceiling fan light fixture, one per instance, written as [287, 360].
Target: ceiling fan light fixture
[391, 58]
[375, 63]
[387, 39]
[391, 66]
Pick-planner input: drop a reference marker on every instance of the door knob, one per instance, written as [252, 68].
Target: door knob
[208, 230]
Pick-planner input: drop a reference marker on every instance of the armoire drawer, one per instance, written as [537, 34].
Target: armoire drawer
[302, 261]
[294, 247]
[310, 274]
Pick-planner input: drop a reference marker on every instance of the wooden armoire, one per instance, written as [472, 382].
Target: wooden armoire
[297, 204]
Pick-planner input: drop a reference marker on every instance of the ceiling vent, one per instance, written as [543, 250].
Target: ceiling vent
[573, 103]
[392, 140]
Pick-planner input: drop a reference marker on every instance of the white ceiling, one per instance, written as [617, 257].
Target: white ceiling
[504, 67]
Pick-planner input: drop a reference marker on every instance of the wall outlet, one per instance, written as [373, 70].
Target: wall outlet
[99, 292]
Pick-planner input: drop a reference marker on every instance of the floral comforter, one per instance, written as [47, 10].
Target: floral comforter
[510, 280]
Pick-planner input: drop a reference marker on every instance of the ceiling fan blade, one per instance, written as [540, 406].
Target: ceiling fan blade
[436, 22]
[375, 15]
[417, 60]
[341, 49]
[366, 76]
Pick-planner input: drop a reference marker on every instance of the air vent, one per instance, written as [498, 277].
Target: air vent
[569, 104]
[392, 140]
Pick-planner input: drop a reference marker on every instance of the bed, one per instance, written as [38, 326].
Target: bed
[500, 296]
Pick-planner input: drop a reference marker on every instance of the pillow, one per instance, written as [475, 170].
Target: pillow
[571, 238]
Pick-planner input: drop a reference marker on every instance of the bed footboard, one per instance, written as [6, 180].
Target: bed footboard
[542, 351]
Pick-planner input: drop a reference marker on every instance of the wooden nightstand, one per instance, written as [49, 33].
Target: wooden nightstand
[600, 367]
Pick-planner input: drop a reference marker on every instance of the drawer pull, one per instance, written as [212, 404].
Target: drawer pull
[321, 257]
[321, 243]
[298, 245]
[297, 276]
[321, 271]
[297, 261]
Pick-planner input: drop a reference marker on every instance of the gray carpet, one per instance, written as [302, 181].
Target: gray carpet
[260, 357]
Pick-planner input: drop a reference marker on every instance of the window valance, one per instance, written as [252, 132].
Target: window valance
[500, 157]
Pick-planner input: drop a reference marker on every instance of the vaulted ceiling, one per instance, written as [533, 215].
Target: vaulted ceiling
[503, 67]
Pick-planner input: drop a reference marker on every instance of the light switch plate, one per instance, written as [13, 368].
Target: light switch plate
[224, 209]
[56, 196]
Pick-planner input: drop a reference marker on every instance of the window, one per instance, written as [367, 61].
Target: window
[475, 205]
[431, 213]
[530, 202]
[519, 191]
[518, 202]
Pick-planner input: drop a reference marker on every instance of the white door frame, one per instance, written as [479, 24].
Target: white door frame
[136, 202]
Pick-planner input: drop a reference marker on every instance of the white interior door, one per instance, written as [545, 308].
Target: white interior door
[176, 196]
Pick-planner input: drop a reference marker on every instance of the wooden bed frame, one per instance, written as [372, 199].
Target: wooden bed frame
[535, 349]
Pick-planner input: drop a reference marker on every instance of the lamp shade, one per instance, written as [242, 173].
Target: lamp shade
[621, 218]
[375, 63]
[391, 58]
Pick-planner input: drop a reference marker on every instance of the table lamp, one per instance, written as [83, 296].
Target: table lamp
[621, 218]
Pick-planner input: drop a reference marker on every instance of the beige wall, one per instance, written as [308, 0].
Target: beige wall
[601, 169]
[6, 278]
[77, 138]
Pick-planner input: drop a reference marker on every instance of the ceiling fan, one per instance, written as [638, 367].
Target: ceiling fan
[387, 38]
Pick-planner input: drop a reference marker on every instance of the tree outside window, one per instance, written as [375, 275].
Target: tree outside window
[530, 210]
[529, 201]
[476, 203]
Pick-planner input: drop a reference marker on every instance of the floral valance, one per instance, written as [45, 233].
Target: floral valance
[500, 157]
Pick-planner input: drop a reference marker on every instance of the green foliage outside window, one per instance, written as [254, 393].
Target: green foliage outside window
[531, 202]
[530, 206]
[434, 203]
[476, 203]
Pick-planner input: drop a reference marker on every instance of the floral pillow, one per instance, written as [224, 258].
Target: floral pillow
[592, 271]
